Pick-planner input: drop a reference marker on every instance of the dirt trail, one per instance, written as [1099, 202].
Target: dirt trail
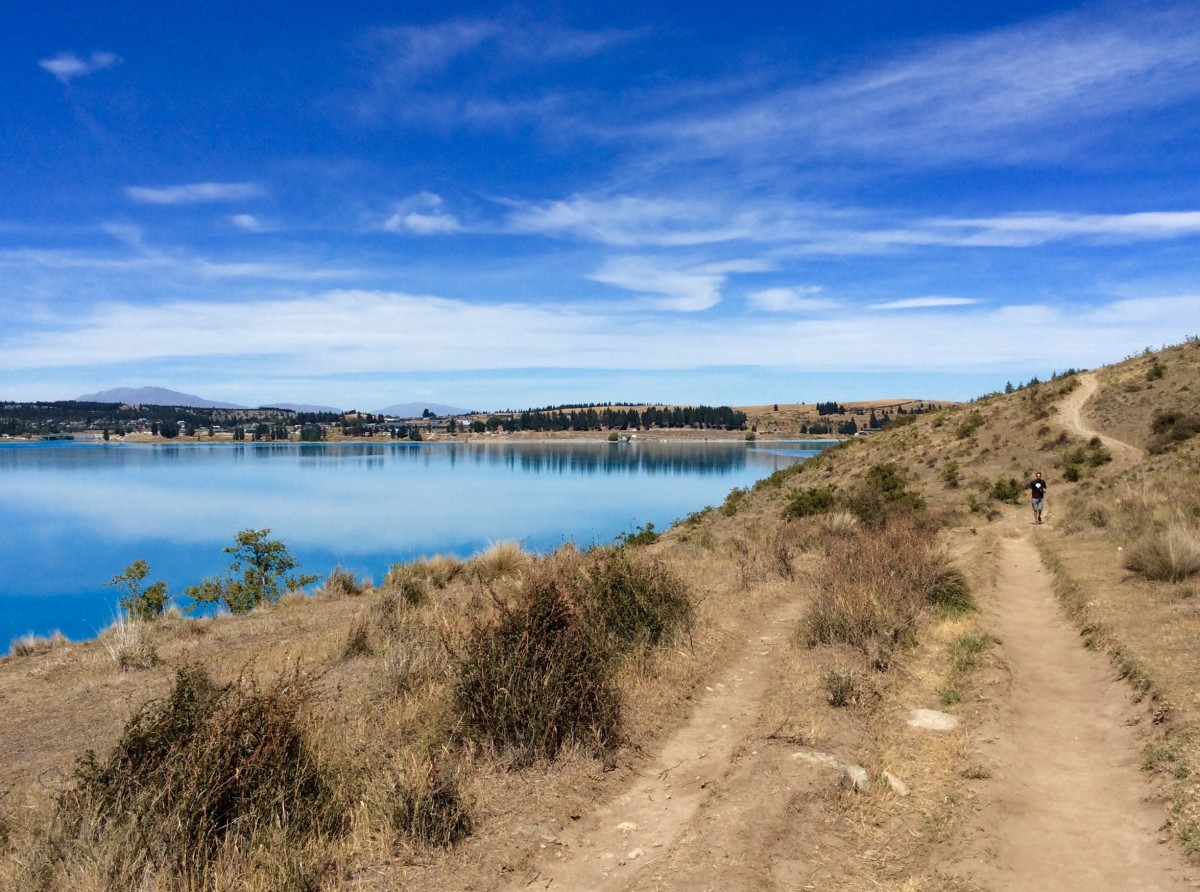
[621, 845]
[1070, 414]
[1066, 806]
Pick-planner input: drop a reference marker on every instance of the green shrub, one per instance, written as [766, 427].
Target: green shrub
[210, 769]
[1007, 491]
[140, 603]
[951, 474]
[536, 680]
[882, 493]
[948, 588]
[733, 501]
[257, 575]
[810, 501]
[1172, 426]
[643, 535]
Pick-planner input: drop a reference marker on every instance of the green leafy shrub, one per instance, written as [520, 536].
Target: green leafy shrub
[809, 501]
[1007, 490]
[733, 501]
[642, 535]
[535, 680]
[257, 575]
[210, 769]
[951, 474]
[140, 603]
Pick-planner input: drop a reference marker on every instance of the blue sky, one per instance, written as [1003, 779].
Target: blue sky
[505, 206]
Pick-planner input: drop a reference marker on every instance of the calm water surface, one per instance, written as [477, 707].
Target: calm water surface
[73, 515]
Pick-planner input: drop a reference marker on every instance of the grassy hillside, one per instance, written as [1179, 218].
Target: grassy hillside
[444, 724]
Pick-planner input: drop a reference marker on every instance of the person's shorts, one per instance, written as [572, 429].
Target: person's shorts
[1037, 504]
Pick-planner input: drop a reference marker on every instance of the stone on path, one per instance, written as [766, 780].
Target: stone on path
[932, 720]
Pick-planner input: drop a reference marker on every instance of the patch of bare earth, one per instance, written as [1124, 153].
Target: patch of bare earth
[1066, 806]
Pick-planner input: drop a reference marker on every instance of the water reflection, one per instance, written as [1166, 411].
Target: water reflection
[74, 515]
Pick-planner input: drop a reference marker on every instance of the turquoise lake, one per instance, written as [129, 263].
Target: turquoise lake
[73, 514]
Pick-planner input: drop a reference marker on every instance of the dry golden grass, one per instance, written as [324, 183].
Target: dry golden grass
[383, 711]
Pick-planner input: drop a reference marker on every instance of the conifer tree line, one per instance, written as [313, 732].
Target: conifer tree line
[608, 418]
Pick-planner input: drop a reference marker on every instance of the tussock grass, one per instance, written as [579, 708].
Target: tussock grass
[342, 583]
[32, 645]
[501, 560]
[878, 583]
[1169, 554]
[408, 581]
[208, 775]
[128, 644]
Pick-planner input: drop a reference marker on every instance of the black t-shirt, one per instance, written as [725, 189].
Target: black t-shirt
[1038, 487]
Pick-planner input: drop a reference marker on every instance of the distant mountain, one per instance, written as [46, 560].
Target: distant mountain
[154, 396]
[301, 407]
[414, 410]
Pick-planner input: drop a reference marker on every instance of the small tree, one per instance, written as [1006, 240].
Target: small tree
[137, 602]
[257, 575]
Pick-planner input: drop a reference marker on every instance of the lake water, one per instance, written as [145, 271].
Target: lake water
[73, 515]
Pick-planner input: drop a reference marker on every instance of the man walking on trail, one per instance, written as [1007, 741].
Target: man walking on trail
[1037, 496]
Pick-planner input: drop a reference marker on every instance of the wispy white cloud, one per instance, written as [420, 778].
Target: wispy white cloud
[356, 332]
[924, 303]
[797, 299]
[249, 223]
[488, 72]
[410, 53]
[629, 220]
[194, 193]
[68, 66]
[993, 97]
[670, 285]
[422, 214]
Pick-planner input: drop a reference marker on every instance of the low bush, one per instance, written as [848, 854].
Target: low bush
[535, 679]
[633, 600]
[843, 687]
[733, 501]
[1172, 426]
[969, 425]
[642, 535]
[882, 493]
[1007, 490]
[208, 772]
[809, 501]
[1170, 554]
[140, 603]
[358, 641]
